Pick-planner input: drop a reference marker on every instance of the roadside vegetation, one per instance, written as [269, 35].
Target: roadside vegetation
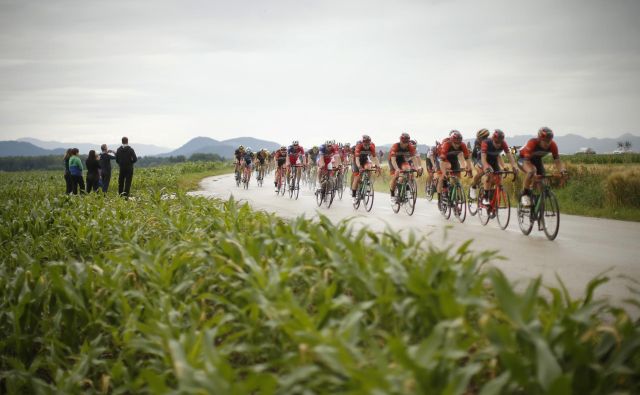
[167, 293]
[608, 187]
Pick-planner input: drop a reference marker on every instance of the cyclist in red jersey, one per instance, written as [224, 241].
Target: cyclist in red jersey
[399, 155]
[450, 149]
[365, 151]
[531, 159]
[295, 156]
[490, 150]
[280, 158]
[328, 155]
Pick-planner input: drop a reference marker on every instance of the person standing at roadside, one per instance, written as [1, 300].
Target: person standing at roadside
[67, 173]
[76, 169]
[106, 156]
[125, 157]
[93, 172]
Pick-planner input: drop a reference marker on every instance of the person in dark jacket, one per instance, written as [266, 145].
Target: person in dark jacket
[106, 156]
[125, 157]
[93, 172]
[76, 169]
[67, 173]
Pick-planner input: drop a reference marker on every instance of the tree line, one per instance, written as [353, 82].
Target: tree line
[55, 162]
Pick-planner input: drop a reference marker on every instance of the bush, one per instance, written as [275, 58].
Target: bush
[623, 188]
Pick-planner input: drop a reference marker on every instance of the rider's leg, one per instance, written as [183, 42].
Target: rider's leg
[444, 165]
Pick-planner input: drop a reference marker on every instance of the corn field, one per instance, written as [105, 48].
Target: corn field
[167, 293]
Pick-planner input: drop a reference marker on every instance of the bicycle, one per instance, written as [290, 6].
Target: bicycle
[544, 208]
[327, 190]
[340, 182]
[280, 181]
[365, 190]
[313, 175]
[237, 174]
[294, 182]
[406, 192]
[260, 174]
[499, 205]
[430, 187]
[452, 197]
[246, 176]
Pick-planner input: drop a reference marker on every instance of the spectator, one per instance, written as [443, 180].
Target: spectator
[125, 157]
[93, 172]
[75, 168]
[67, 173]
[105, 166]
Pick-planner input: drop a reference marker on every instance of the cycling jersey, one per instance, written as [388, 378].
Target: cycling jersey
[295, 153]
[280, 156]
[261, 156]
[239, 154]
[248, 158]
[489, 148]
[477, 152]
[313, 155]
[449, 153]
[402, 155]
[363, 152]
[327, 153]
[533, 150]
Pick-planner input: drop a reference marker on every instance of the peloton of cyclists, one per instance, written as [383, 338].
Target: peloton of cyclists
[531, 160]
[364, 153]
[400, 154]
[450, 149]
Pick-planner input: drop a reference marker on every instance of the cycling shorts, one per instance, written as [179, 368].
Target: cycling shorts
[537, 162]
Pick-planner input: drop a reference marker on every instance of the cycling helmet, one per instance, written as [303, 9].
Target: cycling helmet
[366, 138]
[405, 138]
[456, 137]
[315, 148]
[248, 150]
[294, 142]
[241, 147]
[413, 142]
[482, 134]
[348, 145]
[545, 133]
[283, 148]
[328, 143]
[498, 136]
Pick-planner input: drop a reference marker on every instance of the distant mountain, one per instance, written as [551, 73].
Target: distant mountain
[141, 149]
[225, 148]
[22, 148]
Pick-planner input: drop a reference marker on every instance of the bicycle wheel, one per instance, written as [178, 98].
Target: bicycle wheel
[359, 196]
[238, 178]
[472, 203]
[503, 208]
[525, 217]
[443, 204]
[368, 196]
[459, 203]
[296, 188]
[331, 194]
[412, 195]
[339, 187]
[283, 184]
[483, 211]
[395, 205]
[429, 190]
[550, 215]
[320, 195]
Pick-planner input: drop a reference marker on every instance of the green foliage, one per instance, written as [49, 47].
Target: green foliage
[167, 293]
[601, 159]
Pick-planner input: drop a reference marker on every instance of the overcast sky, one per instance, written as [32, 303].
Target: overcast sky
[163, 72]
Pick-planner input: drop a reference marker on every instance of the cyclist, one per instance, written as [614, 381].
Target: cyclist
[295, 156]
[312, 160]
[491, 160]
[261, 157]
[328, 155]
[247, 163]
[450, 150]
[238, 155]
[476, 155]
[364, 153]
[400, 154]
[531, 160]
[280, 158]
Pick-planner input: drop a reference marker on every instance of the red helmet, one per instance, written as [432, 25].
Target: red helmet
[405, 138]
[455, 136]
[498, 136]
[545, 133]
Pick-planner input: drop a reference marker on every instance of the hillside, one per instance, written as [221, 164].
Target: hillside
[225, 148]
[141, 149]
[21, 148]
